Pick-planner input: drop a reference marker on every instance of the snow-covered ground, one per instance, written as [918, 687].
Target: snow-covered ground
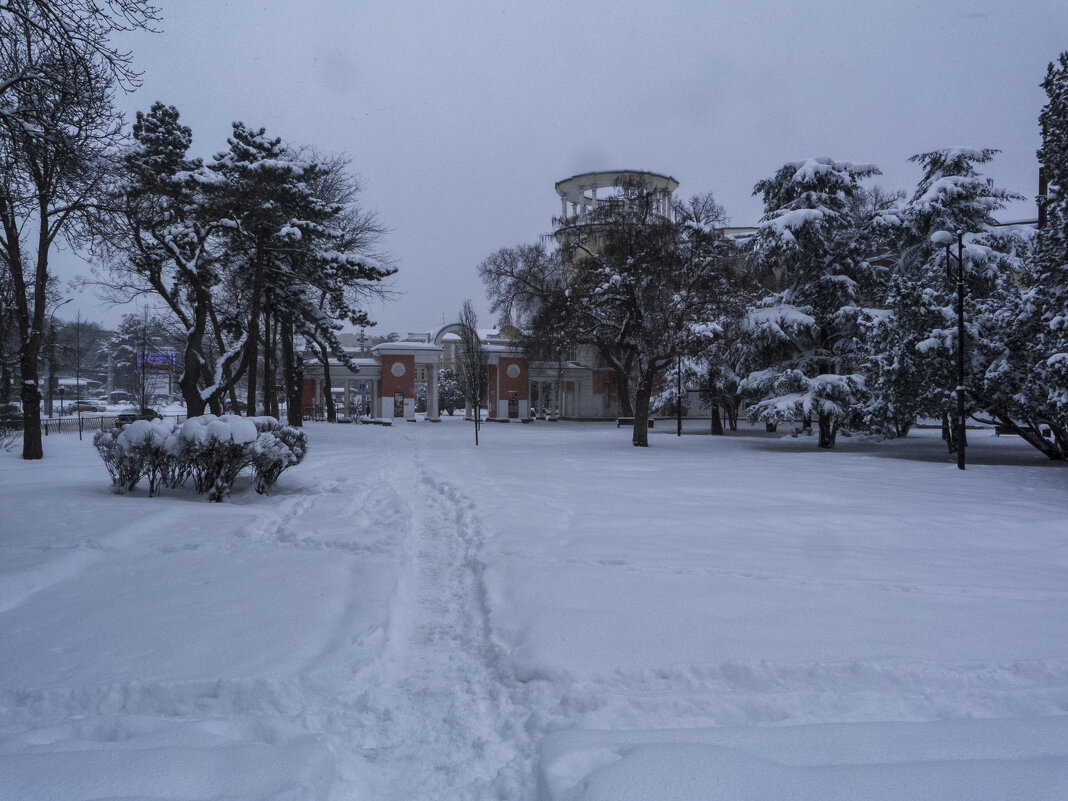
[554, 615]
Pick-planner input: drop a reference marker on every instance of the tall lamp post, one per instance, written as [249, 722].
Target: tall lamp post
[678, 397]
[960, 344]
[52, 354]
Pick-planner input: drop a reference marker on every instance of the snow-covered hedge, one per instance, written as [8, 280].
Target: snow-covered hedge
[211, 450]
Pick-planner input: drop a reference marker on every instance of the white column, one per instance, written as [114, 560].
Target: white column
[432, 393]
[563, 206]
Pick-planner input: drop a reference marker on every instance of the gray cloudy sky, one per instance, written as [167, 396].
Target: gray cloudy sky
[460, 117]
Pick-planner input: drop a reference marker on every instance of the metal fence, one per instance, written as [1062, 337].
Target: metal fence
[85, 423]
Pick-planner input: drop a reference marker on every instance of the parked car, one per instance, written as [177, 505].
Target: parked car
[122, 418]
[87, 406]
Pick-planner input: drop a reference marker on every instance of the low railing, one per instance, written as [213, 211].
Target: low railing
[87, 423]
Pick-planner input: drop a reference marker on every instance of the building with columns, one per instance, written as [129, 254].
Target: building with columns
[576, 385]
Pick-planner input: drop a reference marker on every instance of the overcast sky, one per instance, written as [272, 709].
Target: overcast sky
[460, 117]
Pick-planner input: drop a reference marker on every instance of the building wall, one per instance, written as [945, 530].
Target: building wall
[392, 384]
[507, 385]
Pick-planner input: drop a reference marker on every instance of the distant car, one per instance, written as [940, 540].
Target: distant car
[87, 406]
[123, 418]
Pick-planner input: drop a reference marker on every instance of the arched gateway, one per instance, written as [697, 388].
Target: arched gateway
[385, 385]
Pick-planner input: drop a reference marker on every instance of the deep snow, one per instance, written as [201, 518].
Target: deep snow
[553, 615]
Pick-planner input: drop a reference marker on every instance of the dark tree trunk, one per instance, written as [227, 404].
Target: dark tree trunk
[273, 355]
[623, 392]
[231, 384]
[328, 386]
[640, 438]
[717, 422]
[31, 403]
[269, 397]
[771, 427]
[254, 328]
[1056, 450]
[292, 375]
[828, 430]
[193, 362]
[952, 431]
[730, 406]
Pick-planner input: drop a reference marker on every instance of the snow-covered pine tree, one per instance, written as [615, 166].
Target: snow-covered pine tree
[163, 239]
[912, 349]
[805, 337]
[1048, 388]
[298, 266]
[450, 391]
[1027, 379]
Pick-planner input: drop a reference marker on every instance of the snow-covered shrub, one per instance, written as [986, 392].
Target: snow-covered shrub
[125, 469]
[264, 423]
[213, 450]
[146, 442]
[275, 451]
[216, 449]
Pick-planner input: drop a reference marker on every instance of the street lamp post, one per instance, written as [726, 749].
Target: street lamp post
[678, 397]
[52, 355]
[960, 345]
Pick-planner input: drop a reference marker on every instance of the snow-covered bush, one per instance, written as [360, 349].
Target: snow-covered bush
[275, 451]
[124, 468]
[213, 450]
[147, 444]
[265, 423]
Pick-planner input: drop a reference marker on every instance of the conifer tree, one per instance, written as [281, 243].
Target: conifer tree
[913, 348]
[1049, 389]
[1027, 380]
[805, 338]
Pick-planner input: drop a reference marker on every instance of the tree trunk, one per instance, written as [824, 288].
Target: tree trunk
[328, 386]
[952, 431]
[31, 403]
[1057, 450]
[770, 427]
[231, 384]
[730, 407]
[193, 363]
[269, 397]
[292, 375]
[276, 363]
[717, 422]
[640, 437]
[253, 344]
[828, 430]
[623, 392]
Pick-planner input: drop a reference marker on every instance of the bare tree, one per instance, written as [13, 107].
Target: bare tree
[55, 156]
[80, 32]
[472, 361]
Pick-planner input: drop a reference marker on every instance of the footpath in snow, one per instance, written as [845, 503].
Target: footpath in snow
[555, 616]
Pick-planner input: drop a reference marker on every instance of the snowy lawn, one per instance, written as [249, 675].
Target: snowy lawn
[555, 615]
